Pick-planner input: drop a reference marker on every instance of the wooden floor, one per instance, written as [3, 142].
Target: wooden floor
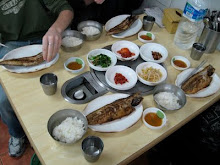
[5, 159]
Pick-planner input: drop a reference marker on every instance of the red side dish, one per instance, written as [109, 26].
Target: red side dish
[125, 53]
[120, 79]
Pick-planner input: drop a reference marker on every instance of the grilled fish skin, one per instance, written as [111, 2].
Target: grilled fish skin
[24, 61]
[114, 110]
[124, 25]
[199, 80]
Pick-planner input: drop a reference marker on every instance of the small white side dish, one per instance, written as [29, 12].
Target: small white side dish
[183, 59]
[145, 33]
[133, 48]
[147, 49]
[74, 59]
[154, 110]
[145, 65]
[96, 52]
[127, 72]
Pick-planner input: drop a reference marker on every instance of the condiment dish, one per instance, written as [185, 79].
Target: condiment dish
[127, 48]
[58, 117]
[180, 62]
[72, 40]
[101, 64]
[146, 52]
[74, 65]
[154, 68]
[178, 92]
[88, 27]
[146, 36]
[121, 77]
[154, 118]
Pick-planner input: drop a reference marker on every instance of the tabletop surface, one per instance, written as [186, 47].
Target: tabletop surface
[33, 108]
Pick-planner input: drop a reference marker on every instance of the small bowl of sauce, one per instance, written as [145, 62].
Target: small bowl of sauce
[180, 62]
[74, 65]
[154, 118]
[146, 36]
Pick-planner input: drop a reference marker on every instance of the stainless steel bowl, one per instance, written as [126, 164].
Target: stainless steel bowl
[60, 116]
[173, 89]
[88, 23]
[72, 33]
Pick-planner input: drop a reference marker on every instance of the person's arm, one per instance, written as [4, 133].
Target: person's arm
[52, 39]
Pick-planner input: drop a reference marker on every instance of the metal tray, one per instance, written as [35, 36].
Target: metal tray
[139, 87]
[85, 82]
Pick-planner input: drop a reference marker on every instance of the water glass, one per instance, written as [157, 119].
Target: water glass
[148, 22]
[197, 51]
[49, 83]
[92, 147]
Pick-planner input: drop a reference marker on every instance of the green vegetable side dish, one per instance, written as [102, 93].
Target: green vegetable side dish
[79, 61]
[101, 60]
[160, 114]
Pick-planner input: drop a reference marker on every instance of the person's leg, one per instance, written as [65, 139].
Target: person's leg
[17, 139]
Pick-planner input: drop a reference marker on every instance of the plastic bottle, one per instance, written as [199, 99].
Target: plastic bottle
[190, 24]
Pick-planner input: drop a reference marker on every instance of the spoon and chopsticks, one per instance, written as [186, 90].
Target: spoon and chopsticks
[193, 71]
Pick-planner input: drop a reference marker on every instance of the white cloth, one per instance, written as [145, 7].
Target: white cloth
[157, 13]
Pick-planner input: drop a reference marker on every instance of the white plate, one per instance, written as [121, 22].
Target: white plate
[211, 89]
[116, 125]
[146, 52]
[133, 29]
[27, 51]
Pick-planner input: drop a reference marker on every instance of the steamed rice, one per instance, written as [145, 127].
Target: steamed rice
[70, 130]
[168, 100]
[70, 41]
[90, 31]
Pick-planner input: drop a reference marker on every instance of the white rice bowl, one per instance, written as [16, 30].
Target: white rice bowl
[69, 130]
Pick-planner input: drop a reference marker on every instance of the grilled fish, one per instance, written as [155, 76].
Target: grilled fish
[199, 80]
[24, 61]
[114, 110]
[124, 25]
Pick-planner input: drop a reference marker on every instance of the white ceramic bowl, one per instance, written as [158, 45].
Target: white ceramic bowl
[127, 72]
[145, 33]
[74, 59]
[145, 65]
[117, 46]
[146, 52]
[154, 110]
[96, 52]
[181, 58]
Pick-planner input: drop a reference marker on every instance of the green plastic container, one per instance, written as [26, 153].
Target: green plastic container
[35, 160]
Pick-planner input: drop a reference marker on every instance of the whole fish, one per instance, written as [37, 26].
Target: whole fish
[199, 80]
[124, 25]
[114, 110]
[24, 61]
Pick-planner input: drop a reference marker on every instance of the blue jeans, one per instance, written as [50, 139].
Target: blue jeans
[6, 111]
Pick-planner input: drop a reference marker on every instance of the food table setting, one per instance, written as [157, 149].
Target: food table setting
[128, 137]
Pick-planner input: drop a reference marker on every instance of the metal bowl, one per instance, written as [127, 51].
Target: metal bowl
[72, 33]
[173, 89]
[60, 116]
[89, 23]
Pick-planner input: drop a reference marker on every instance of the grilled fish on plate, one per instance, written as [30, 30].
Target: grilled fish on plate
[124, 25]
[114, 113]
[199, 80]
[24, 61]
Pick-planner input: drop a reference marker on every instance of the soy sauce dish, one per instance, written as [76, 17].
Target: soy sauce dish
[180, 63]
[154, 118]
[74, 65]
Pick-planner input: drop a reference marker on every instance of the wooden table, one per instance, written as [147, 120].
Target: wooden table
[33, 108]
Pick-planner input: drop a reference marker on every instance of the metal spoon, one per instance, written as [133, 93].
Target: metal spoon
[3, 45]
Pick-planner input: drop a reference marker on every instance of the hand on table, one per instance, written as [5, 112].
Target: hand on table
[51, 44]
